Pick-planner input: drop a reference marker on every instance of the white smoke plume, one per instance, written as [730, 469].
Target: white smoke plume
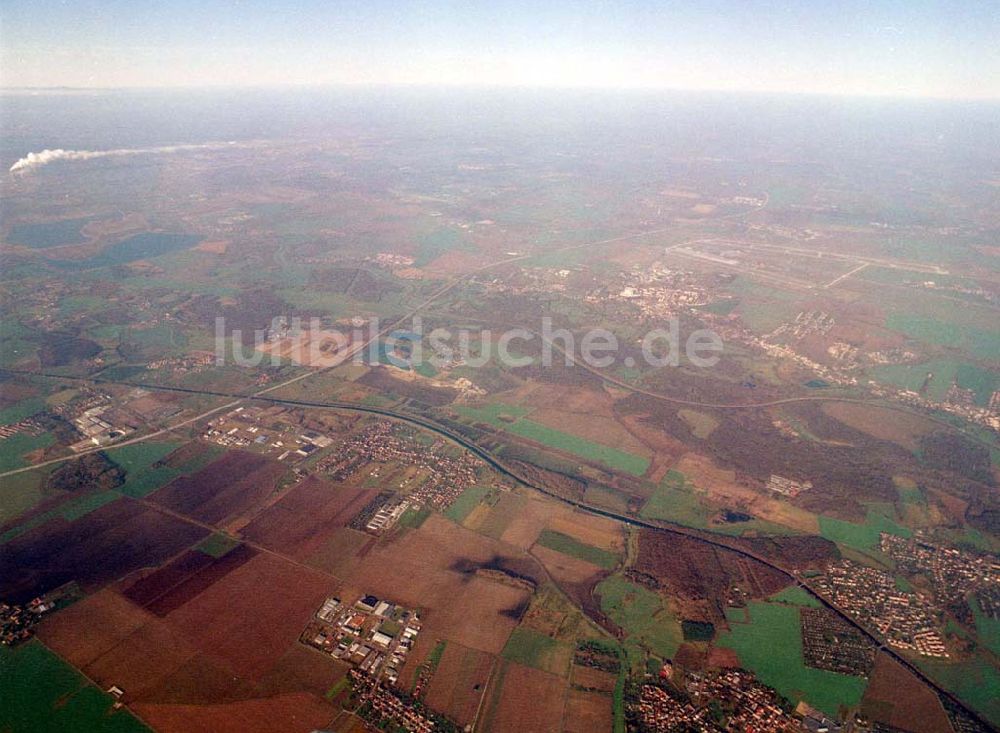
[33, 161]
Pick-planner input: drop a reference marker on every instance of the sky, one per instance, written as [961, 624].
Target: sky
[916, 48]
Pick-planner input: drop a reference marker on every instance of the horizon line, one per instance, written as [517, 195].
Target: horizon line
[446, 86]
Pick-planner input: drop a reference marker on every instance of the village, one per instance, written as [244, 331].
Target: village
[905, 619]
[728, 700]
[955, 574]
[831, 643]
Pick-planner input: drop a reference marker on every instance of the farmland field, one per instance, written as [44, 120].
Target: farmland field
[220, 490]
[896, 697]
[459, 682]
[465, 503]
[642, 614]
[510, 418]
[974, 680]
[528, 647]
[100, 546]
[860, 536]
[574, 548]
[303, 519]
[525, 700]
[769, 643]
[12, 449]
[147, 466]
[41, 692]
[676, 500]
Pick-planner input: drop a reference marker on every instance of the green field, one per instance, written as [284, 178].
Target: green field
[908, 491]
[40, 692]
[143, 246]
[770, 645]
[953, 326]
[533, 649]
[975, 681]
[465, 503]
[796, 596]
[721, 307]
[70, 511]
[982, 382]
[413, 518]
[217, 545]
[20, 492]
[13, 449]
[860, 536]
[441, 241]
[142, 477]
[515, 423]
[987, 628]
[913, 376]
[945, 372]
[642, 614]
[676, 500]
[574, 548]
[22, 409]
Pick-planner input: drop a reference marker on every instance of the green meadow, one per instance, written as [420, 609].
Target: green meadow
[860, 536]
[796, 595]
[533, 649]
[510, 418]
[574, 548]
[768, 641]
[142, 477]
[465, 503]
[943, 373]
[39, 692]
[675, 499]
[975, 681]
[13, 449]
[642, 614]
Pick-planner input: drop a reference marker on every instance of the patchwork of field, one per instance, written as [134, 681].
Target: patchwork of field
[889, 685]
[200, 570]
[150, 465]
[439, 567]
[525, 700]
[302, 521]
[107, 543]
[460, 682]
[41, 692]
[174, 584]
[224, 489]
[511, 418]
[643, 615]
[572, 547]
[535, 516]
[169, 640]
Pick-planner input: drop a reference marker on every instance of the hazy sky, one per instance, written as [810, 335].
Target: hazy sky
[893, 47]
